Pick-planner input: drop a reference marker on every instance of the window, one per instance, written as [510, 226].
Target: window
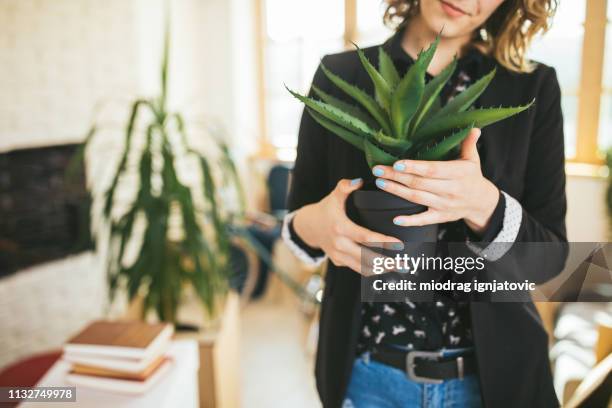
[298, 33]
[370, 29]
[605, 113]
[575, 46]
[561, 48]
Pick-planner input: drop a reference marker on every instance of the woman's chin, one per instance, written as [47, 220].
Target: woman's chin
[448, 27]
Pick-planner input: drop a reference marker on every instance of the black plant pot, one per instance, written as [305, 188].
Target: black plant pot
[376, 211]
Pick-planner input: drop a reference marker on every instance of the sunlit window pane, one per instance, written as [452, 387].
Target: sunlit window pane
[561, 47]
[605, 115]
[370, 25]
[299, 33]
[312, 19]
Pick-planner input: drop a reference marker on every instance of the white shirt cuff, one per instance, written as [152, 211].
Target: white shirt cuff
[513, 217]
[295, 248]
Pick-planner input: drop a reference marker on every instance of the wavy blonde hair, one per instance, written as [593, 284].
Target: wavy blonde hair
[505, 35]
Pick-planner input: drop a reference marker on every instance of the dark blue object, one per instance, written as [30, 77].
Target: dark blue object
[278, 188]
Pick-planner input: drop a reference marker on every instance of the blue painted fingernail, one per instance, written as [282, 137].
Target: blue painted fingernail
[398, 247]
[399, 166]
[377, 171]
[398, 221]
[356, 181]
[380, 183]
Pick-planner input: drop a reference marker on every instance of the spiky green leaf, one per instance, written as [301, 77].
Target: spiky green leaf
[478, 117]
[427, 55]
[431, 95]
[394, 146]
[346, 107]
[440, 150]
[343, 133]
[381, 88]
[362, 97]
[466, 98]
[435, 107]
[375, 155]
[336, 115]
[387, 68]
[407, 97]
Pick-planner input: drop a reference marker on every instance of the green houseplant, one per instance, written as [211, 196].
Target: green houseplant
[404, 120]
[169, 258]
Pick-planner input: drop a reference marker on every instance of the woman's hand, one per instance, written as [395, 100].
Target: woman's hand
[325, 225]
[452, 190]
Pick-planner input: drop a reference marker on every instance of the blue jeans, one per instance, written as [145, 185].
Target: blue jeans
[377, 385]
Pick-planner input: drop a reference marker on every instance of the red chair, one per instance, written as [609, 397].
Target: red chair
[27, 372]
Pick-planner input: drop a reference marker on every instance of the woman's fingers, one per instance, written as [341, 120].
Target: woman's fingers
[348, 261]
[357, 257]
[436, 186]
[416, 196]
[367, 260]
[366, 236]
[469, 147]
[347, 253]
[425, 218]
[346, 187]
[340, 253]
[430, 169]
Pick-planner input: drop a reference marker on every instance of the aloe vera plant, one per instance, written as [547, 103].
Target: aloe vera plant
[405, 118]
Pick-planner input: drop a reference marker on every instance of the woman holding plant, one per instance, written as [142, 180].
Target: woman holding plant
[423, 143]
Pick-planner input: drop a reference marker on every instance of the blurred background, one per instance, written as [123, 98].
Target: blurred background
[65, 64]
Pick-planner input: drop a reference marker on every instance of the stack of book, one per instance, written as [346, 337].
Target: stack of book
[125, 357]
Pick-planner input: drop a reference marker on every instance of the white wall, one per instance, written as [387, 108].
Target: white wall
[215, 66]
[587, 219]
[42, 306]
[59, 59]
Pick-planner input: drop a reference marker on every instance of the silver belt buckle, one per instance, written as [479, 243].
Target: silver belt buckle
[411, 364]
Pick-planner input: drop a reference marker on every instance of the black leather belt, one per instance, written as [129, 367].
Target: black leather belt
[430, 367]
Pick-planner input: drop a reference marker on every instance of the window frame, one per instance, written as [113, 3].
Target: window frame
[591, 89]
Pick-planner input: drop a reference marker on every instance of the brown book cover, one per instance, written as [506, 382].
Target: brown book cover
[120, 339]
[124, 375]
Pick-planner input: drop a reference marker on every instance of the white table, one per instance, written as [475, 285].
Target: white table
[178, 388]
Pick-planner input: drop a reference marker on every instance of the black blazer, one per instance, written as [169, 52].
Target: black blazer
[523, 156]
